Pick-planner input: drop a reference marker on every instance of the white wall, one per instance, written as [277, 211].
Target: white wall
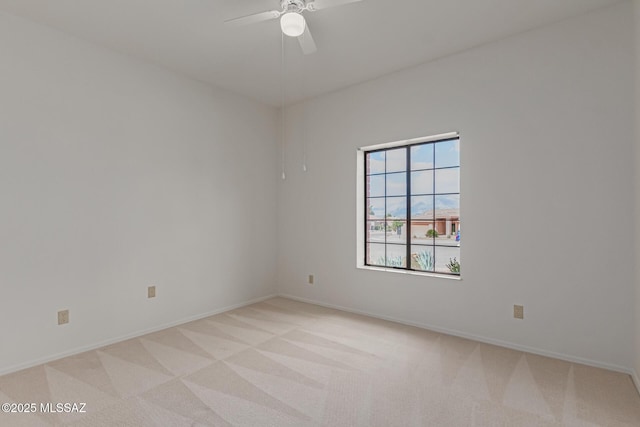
[114, 175]
[636, 335]
[547, 190]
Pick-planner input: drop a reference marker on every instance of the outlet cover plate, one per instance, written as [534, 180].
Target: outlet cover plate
[63, 317]
[151, 292]
[518, 312]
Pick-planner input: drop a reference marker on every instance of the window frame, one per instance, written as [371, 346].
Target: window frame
[409, 244]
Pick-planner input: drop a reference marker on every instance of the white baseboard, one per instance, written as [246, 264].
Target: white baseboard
[634, 375]
[479, 338]
[46, 359]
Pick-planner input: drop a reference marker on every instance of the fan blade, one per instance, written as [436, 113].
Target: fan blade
[324, 4]
[252, 19]
[306, 42]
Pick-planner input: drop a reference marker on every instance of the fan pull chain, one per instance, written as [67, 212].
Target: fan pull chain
[304, 115]
[282, 109]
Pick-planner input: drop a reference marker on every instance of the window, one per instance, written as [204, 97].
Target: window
[412, 206]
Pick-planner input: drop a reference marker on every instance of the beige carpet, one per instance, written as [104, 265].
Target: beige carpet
[285, 363]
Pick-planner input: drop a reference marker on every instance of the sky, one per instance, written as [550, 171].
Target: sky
[441, 154]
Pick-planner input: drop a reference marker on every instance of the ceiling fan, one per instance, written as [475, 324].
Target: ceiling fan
[292, 22]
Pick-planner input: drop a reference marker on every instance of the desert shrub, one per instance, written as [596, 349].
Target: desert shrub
[454, 266]
[391, 261]
[424, 260]
[395, 261]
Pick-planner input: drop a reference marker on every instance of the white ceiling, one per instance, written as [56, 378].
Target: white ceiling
[356, 42]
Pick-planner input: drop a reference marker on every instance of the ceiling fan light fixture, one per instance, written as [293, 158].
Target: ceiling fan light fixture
[293, 24]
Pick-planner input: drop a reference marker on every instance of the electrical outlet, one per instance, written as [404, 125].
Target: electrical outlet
[63, 317]
[151, 292]
[518, 312]
[310, 281]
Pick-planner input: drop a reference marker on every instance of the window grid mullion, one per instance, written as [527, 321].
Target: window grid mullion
[409, 214]
[384, 219]
[433, 235]
[366, 210]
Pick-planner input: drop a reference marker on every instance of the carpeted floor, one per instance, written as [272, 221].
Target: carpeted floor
[285, 363]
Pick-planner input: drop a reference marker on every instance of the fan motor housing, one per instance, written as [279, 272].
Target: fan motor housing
[293, 5]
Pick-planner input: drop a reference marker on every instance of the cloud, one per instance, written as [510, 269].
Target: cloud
[396, 160]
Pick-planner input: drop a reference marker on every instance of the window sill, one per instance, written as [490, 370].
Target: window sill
[409, 272]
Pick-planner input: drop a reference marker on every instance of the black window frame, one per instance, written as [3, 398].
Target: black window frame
[409, 214]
